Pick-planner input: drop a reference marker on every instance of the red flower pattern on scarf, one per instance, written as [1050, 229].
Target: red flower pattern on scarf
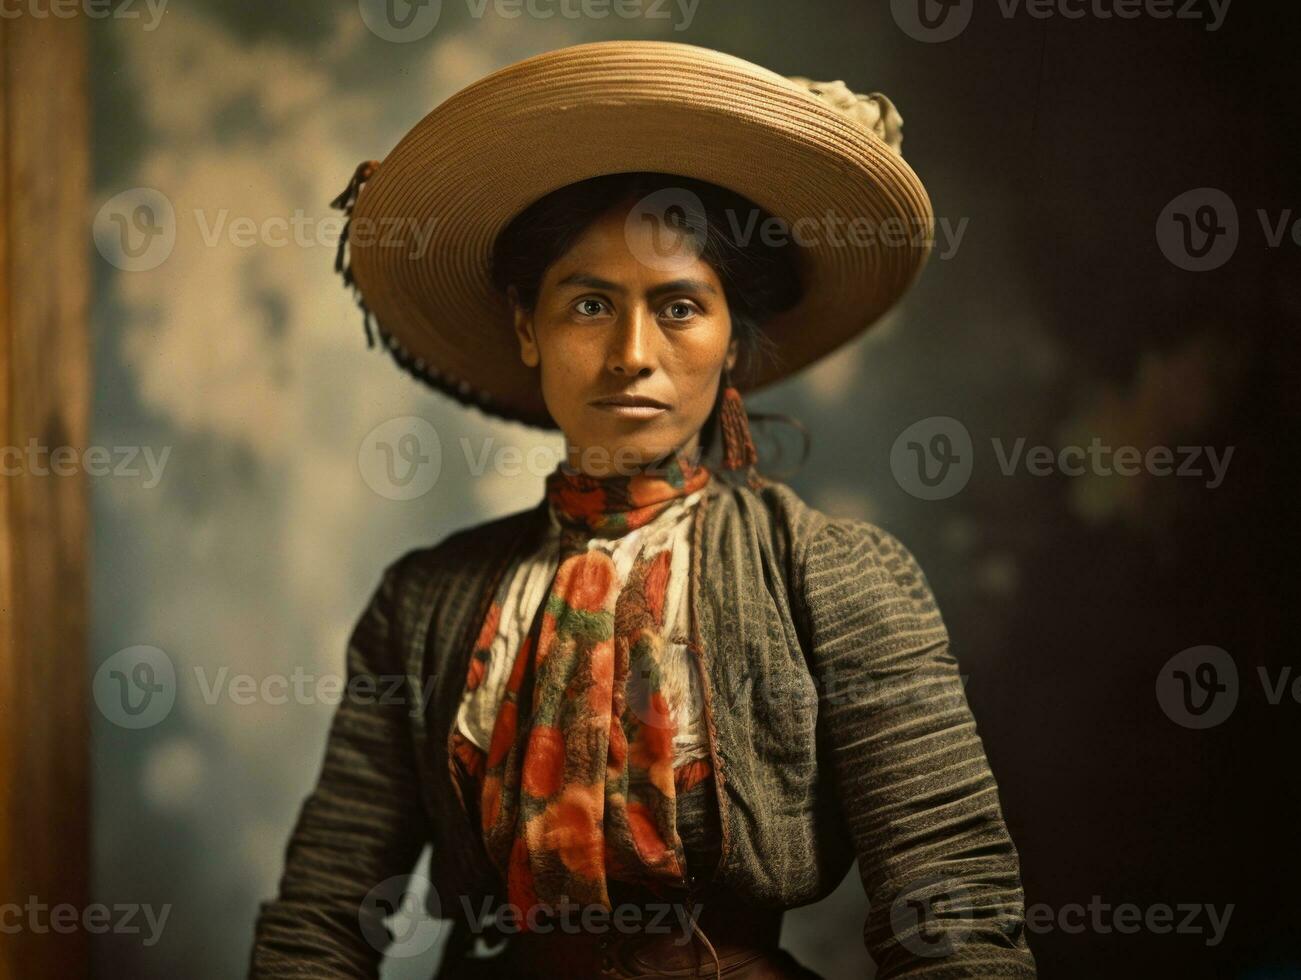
[578, 783]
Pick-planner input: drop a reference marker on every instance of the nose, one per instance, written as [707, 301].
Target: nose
[632, 346]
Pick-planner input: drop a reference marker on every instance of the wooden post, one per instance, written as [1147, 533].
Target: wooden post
[44, 391]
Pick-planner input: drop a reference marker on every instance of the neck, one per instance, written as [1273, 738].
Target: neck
[598, 462]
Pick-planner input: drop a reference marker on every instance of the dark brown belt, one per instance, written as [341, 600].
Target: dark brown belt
[670, 937]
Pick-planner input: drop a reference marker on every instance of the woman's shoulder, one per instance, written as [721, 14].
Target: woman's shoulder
[468, 551]
[775, 508]
[782, 510]
[827, 545]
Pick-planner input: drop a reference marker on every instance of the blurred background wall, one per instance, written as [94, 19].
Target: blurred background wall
[1060, 309]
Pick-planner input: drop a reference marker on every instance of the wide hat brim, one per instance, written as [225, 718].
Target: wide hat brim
[424, 222]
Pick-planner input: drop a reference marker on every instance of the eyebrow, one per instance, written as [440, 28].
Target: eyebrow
[676, 286]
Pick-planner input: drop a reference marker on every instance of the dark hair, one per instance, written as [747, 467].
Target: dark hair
[759, 279]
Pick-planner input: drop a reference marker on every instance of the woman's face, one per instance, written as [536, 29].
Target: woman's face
[608, 326]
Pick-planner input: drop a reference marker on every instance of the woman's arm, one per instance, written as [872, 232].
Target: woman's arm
[941, 873]
[361, 825]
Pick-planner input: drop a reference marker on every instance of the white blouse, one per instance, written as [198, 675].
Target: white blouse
[531, 577]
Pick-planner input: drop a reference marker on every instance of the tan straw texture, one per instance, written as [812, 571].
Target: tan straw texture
[811, 153]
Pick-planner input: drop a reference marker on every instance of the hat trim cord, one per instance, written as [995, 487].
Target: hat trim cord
[345, 202]
[415, 366]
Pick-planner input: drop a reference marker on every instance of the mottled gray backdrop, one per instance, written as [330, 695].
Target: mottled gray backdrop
[1056, 312]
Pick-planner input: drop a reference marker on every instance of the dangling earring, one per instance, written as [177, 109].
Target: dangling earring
[734, 422]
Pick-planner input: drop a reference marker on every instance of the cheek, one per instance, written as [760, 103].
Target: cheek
[557, 348]
[568, 361]
[697, 361]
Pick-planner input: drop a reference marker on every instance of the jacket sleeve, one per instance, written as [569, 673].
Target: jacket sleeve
[942, 875]
[362, 824]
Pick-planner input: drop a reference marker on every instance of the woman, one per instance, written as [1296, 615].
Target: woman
[665, 693]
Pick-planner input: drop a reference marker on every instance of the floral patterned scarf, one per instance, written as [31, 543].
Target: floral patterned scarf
[577, 785]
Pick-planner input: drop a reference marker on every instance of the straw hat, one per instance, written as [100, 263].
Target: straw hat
[818, 157]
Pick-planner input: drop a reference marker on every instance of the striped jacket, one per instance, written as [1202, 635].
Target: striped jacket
[837, 722]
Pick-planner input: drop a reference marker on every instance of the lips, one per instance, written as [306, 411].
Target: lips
[630, 401]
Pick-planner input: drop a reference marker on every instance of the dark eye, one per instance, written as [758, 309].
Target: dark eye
[680, 310]
[589, 306]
